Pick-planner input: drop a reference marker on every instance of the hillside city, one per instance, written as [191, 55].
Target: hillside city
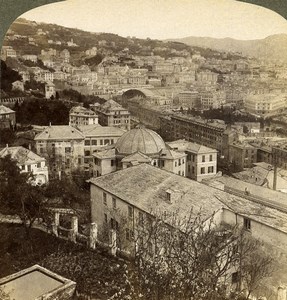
[140, 169]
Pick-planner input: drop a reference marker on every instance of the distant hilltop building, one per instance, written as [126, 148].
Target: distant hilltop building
[80, 115]
[50, 90]
[7, 51]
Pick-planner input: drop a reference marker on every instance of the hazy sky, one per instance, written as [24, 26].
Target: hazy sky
[161, 19]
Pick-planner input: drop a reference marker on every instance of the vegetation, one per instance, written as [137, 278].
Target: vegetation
[42, 112]
[17, 194]
[8, 76]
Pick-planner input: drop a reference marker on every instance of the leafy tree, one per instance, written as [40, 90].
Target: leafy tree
[190, 257]
[17, 194]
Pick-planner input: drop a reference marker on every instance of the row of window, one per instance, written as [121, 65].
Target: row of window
[101, 142]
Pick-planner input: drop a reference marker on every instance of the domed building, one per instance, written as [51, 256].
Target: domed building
[139, 145]
[141, 140]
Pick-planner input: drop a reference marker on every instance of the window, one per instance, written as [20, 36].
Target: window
[106, 218]
[67, 149]
[39, 165]
[131, 211]
[203, 158]
[179, 163]
[114, 203]
[41, 150]
[29, 168]
[101, 142]
[247, 223]
[192, 170]
[94, 142]
[202, 171]
[175, 164]
[106, 142]
[210, 157]
[79, 160]
[112, 163]
[210, 169]
[105, 198]
[87, 142]
[87, 152]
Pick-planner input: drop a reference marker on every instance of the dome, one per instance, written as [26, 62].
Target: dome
[140, 139]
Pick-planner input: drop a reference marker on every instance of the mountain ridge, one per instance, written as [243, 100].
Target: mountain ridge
[271, 47]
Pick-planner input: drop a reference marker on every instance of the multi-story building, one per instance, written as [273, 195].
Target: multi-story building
[96, 137]
[50, 90]
[125, 200]
[28, 161]
[80, 115]
[30, 57]
[63, 148]
[65, 55]
[189, 99]
[209, 133]
[242, 155]
[265, 104]
[113, 114]
[139, 145]
[201, 161]
[207, 77]
[7, 117]
[8, 51]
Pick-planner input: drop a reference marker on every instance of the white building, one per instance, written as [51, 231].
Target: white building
[28, 161]
[80, 115]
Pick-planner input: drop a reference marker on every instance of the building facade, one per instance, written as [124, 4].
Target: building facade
[28, 161]
[112, 114]
[7, 117]
[79, 116]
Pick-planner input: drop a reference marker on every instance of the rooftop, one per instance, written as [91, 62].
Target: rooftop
[21, 155]
[140, 139]
[60, 132]
[184, 145]
[98, 130]
[146, 187]
[5, 110]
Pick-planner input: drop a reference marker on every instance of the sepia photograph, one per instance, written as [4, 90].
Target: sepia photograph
[143, 150]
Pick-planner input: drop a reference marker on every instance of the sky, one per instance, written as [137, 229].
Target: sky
[164, 19]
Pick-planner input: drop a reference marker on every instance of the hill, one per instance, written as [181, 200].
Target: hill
[273, 47]
[107, 43]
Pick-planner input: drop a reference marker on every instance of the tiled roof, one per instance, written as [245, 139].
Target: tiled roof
[138, 156]
[21, 155]
[111, 105]
[60, 132]
[98, 131]
[146, 187]
[183, 145]
[5, 110]
[109, 153]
